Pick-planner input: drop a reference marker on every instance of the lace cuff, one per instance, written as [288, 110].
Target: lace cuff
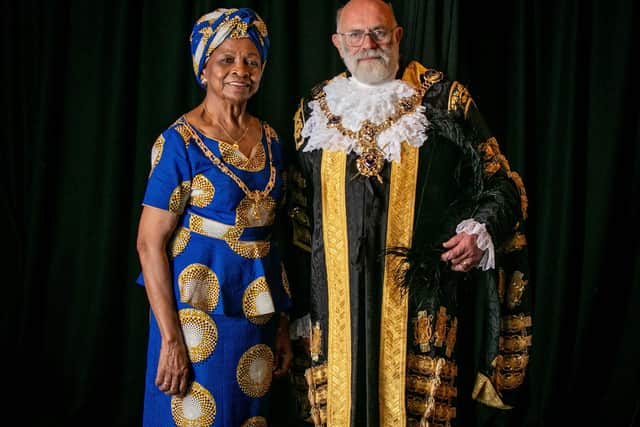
[483, 242]
[300, 328]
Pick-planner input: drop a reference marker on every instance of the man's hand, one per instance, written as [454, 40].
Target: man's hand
[463, 252]
[172, 376]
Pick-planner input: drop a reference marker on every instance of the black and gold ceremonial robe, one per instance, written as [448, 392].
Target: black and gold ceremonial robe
[386, 350]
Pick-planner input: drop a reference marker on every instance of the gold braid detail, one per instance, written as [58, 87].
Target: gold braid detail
[495, 160]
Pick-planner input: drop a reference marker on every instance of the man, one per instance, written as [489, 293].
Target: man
[412, 221]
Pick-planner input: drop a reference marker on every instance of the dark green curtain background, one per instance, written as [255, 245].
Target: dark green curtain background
[87, 87]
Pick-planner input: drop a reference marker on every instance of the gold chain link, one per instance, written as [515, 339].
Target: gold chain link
[253, 195]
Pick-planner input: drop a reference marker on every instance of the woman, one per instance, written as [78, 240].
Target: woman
[215, 284]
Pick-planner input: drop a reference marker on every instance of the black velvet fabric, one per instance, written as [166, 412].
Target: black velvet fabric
[451, 187]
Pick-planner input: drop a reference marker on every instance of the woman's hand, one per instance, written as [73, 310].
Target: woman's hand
[284, 354]
[463, 252]
[172, 376]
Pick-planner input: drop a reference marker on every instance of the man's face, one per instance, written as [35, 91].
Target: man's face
[368, 41]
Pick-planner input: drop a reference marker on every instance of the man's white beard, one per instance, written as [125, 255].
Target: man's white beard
[375, 71]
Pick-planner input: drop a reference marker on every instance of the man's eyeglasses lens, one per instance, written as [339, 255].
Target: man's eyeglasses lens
[356, 38]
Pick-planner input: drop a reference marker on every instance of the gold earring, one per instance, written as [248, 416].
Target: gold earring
[204, 81]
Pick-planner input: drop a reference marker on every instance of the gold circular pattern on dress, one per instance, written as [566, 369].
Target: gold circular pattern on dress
[200, 333]
[180, 241]
[254, 370]
[232, 156]
[257, 304]
[156, 152]
[255, 422]
[252, 250]
[285, 281]
[179, 197]
[196, 409]
[202, 191]
[199, 287]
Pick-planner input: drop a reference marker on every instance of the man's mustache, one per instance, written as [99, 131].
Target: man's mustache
[372, 53]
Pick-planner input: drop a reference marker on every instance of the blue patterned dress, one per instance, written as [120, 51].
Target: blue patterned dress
[228, 280]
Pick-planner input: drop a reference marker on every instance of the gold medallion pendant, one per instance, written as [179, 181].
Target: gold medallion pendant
[370, 163]
[256, 211]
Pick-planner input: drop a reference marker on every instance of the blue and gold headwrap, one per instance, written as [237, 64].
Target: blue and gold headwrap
[215, 27]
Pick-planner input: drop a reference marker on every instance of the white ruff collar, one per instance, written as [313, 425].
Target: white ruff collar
[356, 102]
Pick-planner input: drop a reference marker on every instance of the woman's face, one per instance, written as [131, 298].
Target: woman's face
[233, 70]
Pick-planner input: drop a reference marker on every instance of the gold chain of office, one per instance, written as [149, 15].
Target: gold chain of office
[371, 159]
[255, 195]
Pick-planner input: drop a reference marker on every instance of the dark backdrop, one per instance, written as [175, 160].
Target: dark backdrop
[88, 85]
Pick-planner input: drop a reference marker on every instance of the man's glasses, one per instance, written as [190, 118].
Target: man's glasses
[379, 35]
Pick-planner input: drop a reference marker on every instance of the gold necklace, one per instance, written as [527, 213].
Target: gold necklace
[370, 161]
[236, 142]
[255, 195]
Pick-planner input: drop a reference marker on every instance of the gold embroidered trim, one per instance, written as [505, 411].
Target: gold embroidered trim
[317, 382]
[319, 397]
[484, 392]
[459, 98]
[420, 384]
[515, 323]
[518, 242]
[514, 343]
[516, 289]
[451, 337]
[512, 362]
[334, 225]
[317, 374]
[199, 397]
[431, 392]
[441, 327]
[315, 346]
[422, 331]
[509, 381]
[440, 412]
[426, 365]
[494, 160]
[395, 303]
[298, 124]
